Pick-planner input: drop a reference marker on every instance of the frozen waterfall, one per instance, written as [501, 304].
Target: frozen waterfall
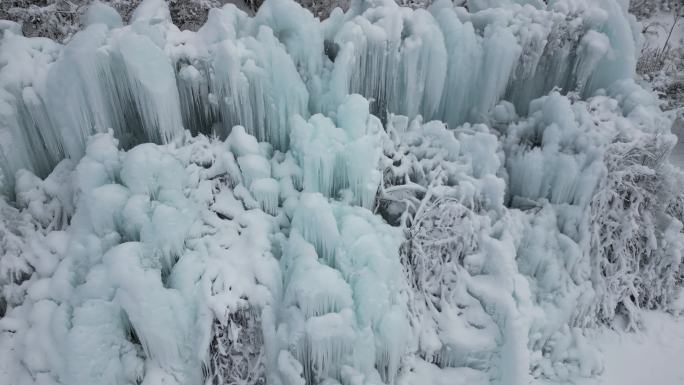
[452, 195]
[148, 81]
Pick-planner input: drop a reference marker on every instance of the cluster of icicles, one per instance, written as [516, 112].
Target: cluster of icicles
[149, 82]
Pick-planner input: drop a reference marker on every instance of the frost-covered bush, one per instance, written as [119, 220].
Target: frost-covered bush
[661, 59]
[442, 187]
[236, 350]
[636, 243]
[15, 267]
[54, 19]
[191, 14]
[60, 19]
[32, 240]
[319, 8]
[647, 8]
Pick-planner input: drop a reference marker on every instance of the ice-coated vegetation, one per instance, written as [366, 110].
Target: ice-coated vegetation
[447, 195]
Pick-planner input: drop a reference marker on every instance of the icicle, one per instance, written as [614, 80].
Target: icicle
[394, 57]
[152, 84]
[266, 192]
[314, 220]
[316, 289]
[316, 144]
[334, 159]
[392, 340]
[252, 93]
[328, 339]
[199, 114]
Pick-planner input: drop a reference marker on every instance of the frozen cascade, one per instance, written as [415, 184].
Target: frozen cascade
[23, 57]
[398, 196]
[404, 61]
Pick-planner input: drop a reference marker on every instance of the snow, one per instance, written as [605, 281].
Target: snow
[658, 28]
[649, 356]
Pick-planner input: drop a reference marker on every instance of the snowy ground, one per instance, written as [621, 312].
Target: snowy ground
[652, 356]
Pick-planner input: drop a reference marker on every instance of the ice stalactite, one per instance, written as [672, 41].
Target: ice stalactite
[395, 56]
[416, 62]
[27, 62]
[238, 73]
[336, 159]
[249, 91]
[313, 219]
[265, 191]
[356, 322]
[332, 293]
[324, 304]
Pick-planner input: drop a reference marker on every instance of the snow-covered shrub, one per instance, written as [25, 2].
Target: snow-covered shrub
[15, 267]
[442, 187]
[54, 19]
[236, 350]
[60, 19]
[637, 245]
[32, 240]
[661, 59]
[647, 8]
[191, 14]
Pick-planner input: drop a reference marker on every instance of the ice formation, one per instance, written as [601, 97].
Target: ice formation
[441, 195]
